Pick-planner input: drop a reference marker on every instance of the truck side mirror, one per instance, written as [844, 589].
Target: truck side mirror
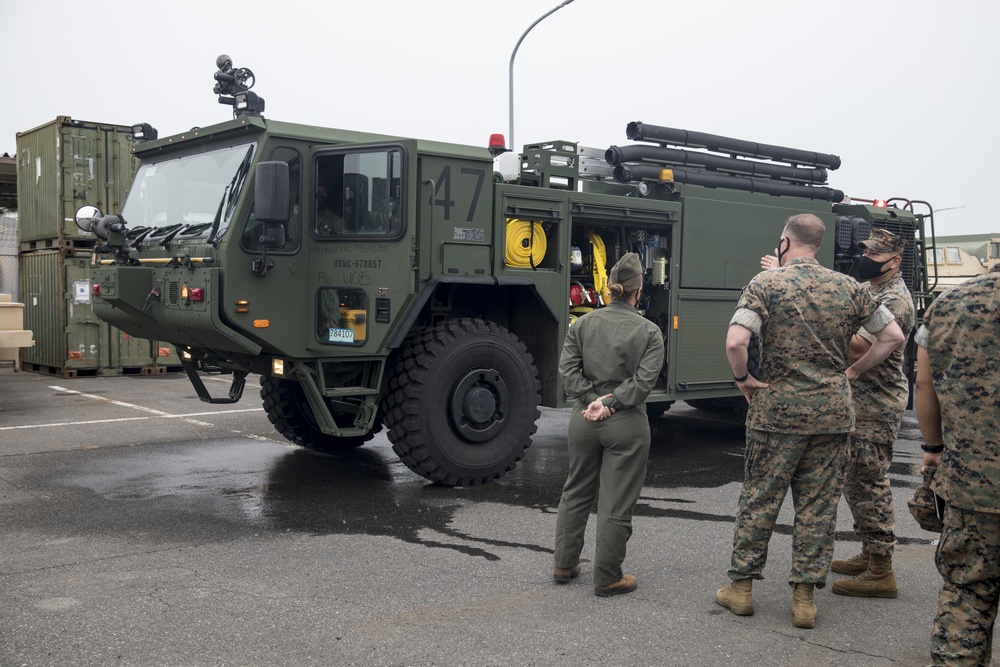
[273, 236]
[271, 192]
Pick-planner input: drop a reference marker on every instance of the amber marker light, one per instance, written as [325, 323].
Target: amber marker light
[184, 291]
[675, 323]
[261, 324]
[242, 306]
[666, 175]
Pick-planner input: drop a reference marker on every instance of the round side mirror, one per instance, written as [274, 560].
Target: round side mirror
[86, 217]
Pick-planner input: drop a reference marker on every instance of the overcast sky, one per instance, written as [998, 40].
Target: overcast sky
[906, 92]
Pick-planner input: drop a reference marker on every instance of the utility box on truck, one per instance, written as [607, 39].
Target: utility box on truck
[62, 164]
[375, 280]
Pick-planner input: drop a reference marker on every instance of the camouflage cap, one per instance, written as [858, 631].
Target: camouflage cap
[627, 268]
[882, 240]
[923, 504]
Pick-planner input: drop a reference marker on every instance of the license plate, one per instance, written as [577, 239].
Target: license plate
[341, 336]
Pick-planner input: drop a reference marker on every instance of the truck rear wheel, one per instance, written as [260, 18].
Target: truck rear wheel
[286, 406]
[462, 402]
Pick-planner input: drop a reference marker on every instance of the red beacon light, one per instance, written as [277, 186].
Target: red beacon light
[498, 145]
[880, 203]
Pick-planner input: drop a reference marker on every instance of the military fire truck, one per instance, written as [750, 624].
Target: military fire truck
[377, 281]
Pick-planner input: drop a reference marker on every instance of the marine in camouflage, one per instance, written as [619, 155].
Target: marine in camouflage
[961, 334]
[797, 428]
[879, 396]
[805, 315]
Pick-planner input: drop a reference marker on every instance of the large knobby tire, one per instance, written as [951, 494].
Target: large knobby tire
[462, 402]
[286, 406]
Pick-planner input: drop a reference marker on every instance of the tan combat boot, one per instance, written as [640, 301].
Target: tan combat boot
[803, 607]
[878, 581]
[852, 566]
[737, 597]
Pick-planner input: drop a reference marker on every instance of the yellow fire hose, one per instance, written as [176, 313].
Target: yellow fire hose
[600, 262]
[525, 244]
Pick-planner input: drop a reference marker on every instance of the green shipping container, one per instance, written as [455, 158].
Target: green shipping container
[63, 165]
[166, 357]
[69, 339]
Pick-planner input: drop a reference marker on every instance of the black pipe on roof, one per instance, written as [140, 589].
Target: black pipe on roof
[639, 131]
[629, 172]
[674, 156]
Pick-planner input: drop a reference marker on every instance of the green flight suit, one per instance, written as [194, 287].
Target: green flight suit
[611, 350]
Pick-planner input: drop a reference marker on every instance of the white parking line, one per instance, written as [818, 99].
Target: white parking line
[158, 414]
[108, 400]
[133, 419]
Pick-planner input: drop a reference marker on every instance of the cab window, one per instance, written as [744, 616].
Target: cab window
[358, 195]
[342, 316]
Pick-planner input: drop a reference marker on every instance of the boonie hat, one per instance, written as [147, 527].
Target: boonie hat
[627, 268]
[882, 240]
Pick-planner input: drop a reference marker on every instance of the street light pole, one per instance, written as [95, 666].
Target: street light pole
[514, 53]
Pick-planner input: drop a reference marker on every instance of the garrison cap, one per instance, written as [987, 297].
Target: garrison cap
[882, 240]
[627, 268]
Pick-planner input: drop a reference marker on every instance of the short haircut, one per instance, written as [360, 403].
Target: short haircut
[807, 229]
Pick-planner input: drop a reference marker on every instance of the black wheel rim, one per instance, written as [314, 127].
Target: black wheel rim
[479, 404]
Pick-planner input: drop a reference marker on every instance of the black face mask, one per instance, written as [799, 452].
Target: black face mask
[868, 268]
[781, 253]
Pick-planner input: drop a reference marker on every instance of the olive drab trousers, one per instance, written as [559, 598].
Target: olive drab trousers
[607, 461]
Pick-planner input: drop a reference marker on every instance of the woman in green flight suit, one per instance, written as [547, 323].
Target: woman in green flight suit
[609, 364]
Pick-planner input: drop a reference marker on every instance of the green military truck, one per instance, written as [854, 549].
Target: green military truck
[376, 281]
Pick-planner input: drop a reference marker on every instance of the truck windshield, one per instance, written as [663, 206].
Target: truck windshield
[193, 191]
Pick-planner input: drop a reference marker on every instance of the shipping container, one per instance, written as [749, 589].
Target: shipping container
[166, 358]
[63, 165]
[69, 339]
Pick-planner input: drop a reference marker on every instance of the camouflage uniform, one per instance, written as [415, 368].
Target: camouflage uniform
[611, 350]
[797, 428]
[879, 397]
[961, 334]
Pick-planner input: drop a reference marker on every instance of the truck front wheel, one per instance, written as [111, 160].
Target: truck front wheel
[462, 402]
[286, 406]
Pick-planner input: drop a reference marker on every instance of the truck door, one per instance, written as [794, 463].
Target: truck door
[359, 262]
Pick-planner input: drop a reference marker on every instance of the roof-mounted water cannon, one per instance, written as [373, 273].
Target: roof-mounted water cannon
[233, 85]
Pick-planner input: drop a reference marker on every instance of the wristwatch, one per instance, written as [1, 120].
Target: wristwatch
[932, 449]
[742, 379]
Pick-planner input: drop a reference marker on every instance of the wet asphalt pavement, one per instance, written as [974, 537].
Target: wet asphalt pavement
[139, 526]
